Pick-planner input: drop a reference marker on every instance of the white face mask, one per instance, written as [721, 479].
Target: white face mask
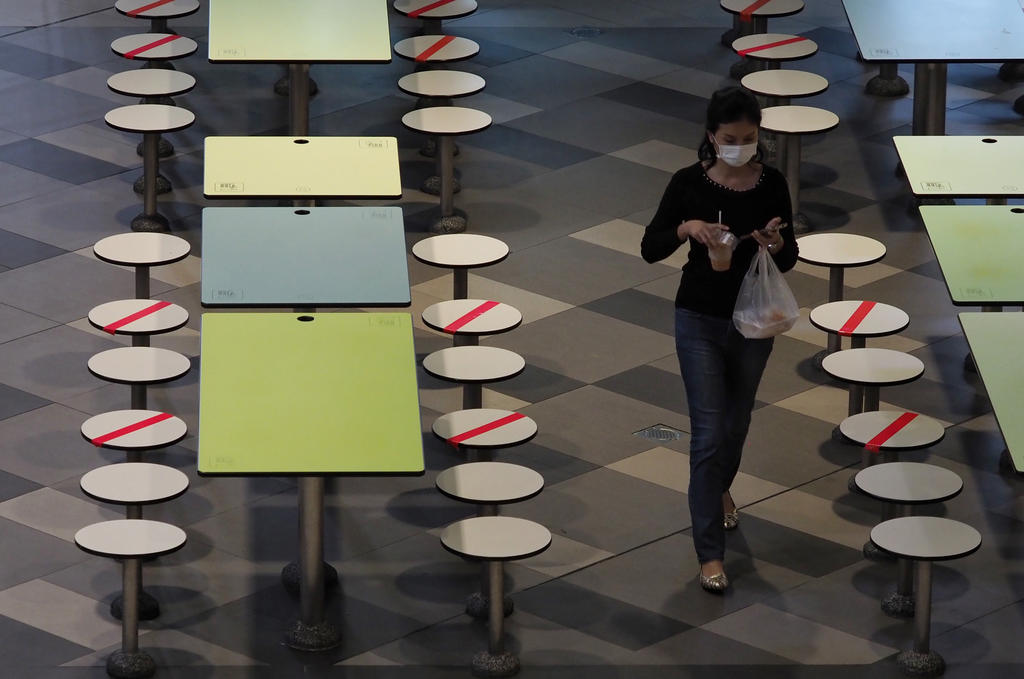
[736, 156]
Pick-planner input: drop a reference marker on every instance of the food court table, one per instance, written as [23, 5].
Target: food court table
[963, 167]
[309, 396]
[320, 256]
[931, 34]
[299, 34]
[301, 168]
[997, 355]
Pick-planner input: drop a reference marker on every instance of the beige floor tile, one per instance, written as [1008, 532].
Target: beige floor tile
[826, 402]
[368, 660]
[533, 306]
[183, 649]
[611, 60]
[449, 399]
[624, 236]
[92, 141]
[564, 556]
[56, 513]
[817, 516]
[658, 154]
[61, 612]
[854, 277]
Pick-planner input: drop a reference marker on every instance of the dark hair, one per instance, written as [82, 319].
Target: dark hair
[729, 105]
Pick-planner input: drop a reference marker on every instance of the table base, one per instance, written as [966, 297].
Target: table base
[149, 607]
[432, 185]
[1012, 71]
[317, 637]
[154, 222]
[872, 553]
[487, 664]
[163, 185]
[291, 577]
[455, 223]
[130, 665]
[929, 664]
[429, 148]
[898, 605]
[282, 87]
[1018, 106]
[930, 99]
[478, 606]
[745, 66]
[165, 149]
[888, 83]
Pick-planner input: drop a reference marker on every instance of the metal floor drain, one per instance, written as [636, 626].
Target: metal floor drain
[585, 32]
[659, 432]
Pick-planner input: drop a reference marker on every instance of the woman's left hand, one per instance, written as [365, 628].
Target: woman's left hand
[770, 237]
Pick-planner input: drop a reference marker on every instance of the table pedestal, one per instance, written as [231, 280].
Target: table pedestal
[283, 86]
[129, 662]
[888, 82]
[150, 219]
[495, 661]
[298, 99]
[922, 661]
[930, 99]
[836, 275]
[900, 604]
[460, 283]
[449, 222]
[789, 147]
[478, 604]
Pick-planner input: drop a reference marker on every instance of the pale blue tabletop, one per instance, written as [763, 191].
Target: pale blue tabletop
[304, 257]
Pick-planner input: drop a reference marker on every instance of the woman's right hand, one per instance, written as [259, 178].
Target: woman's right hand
[705, 233]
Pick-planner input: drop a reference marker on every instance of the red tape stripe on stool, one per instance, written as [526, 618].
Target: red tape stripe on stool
[131, 318]
[426, 8]
[856, 318]
[748, 12]
[145, 8]
[484, 428]
[435, 48]
[145, 48]
[899, 423]
[455, 325]
[142, 424]
[780, 43]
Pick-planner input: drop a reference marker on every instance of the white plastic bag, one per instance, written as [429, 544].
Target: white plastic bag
[766, 306]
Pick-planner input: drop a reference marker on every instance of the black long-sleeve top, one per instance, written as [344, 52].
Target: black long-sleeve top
[691, 194]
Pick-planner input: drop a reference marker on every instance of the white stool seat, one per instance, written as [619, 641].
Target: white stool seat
[472, 317]
[474, 364]
[151, 82]
[441, 84]
[798, 119]
[773, 8]
[134, 429]
[449, 10]
[130, 538]
[873, 367]
[436, 48]
[926, 538]
[839, 249]
[134, 483]
[847, 318]
[144, 9]
[460, 250]
[493, 483]
[139, 365]
[778, 82]
[142, 249]
[446, 120]
[160, 317]
[920, 432]
[786, 47]
[154, 46]
[149, 118]
[908, 483]
[496, 538]
[485, 428]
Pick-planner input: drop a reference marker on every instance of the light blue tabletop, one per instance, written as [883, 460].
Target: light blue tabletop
[304, 257]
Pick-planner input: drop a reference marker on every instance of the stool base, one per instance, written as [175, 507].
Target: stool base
[163, 185]
[149, 607]
[486, 664]
[282, 87]
[291, 577]
[165, 149]
[1012, 71]
[969, 366]
[478, 605]
[837, 436]
[729, 37]
[124, 665]
[898, 605]
[453, 224]
[319, 637]
[429, 148]
[1018, 106]
[819, 357]
[800, 224]
[743, 67]
[432, 185]
[151, 223]
[917, 664]
[887, 87]
[872, 553]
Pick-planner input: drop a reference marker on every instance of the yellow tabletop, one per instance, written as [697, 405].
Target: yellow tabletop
[963, 166]
[301, 167]
[300, 31]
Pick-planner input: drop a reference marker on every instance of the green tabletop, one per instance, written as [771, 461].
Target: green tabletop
[333, 395]
[980, 249]
[300, 31]
[993, 339]
[310, 257]
[964, 167]
[300, 168]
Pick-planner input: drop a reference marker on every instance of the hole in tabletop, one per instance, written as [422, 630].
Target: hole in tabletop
[305, 319]
[989, 140]
[301, 141]
[302, 212]
[1017, 210]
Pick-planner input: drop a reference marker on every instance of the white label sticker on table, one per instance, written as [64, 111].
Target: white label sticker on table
[884, 52]
[373, 144]
[936, 186]
[229, 187]
[231, 52]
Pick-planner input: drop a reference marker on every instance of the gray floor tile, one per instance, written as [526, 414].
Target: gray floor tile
[19, 184]
[36, 108]
[70, 219]
[791, 449]
[666, 102]
[18, 251]
[15, 401]
[52, 363]
[544, 82]
[650, 385]
[12, 486]
[55, 162]
[925, 299]
[536, 384]
[517, 143]
[38, 554]
[33, 63]
[26, 647]
[639, 308]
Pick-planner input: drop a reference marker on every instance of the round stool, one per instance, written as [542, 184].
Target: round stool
[467, 319]
[139, 318]
[130, 541]
[472, 367]
[789, 123]
[153, 86]
[901, 485]
[436, 49]
[867, 370]
[460, 252]
[484, 428]
[924, 539]
[438, 88]
[838, 252]
[157, 12]
[779, 86]
[158, 50]
[446, 122]
[884, 433]
[134, 431]
[141, 250]
[748, 22]
[151, 120]
[488, 485]
[494, 540]
[857, 320]
[769, 50]
[139, 367]
[432, 12]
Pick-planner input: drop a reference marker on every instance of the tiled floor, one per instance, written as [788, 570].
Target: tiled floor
[588, 130]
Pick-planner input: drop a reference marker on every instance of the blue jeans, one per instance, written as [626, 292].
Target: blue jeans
[721, 370]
